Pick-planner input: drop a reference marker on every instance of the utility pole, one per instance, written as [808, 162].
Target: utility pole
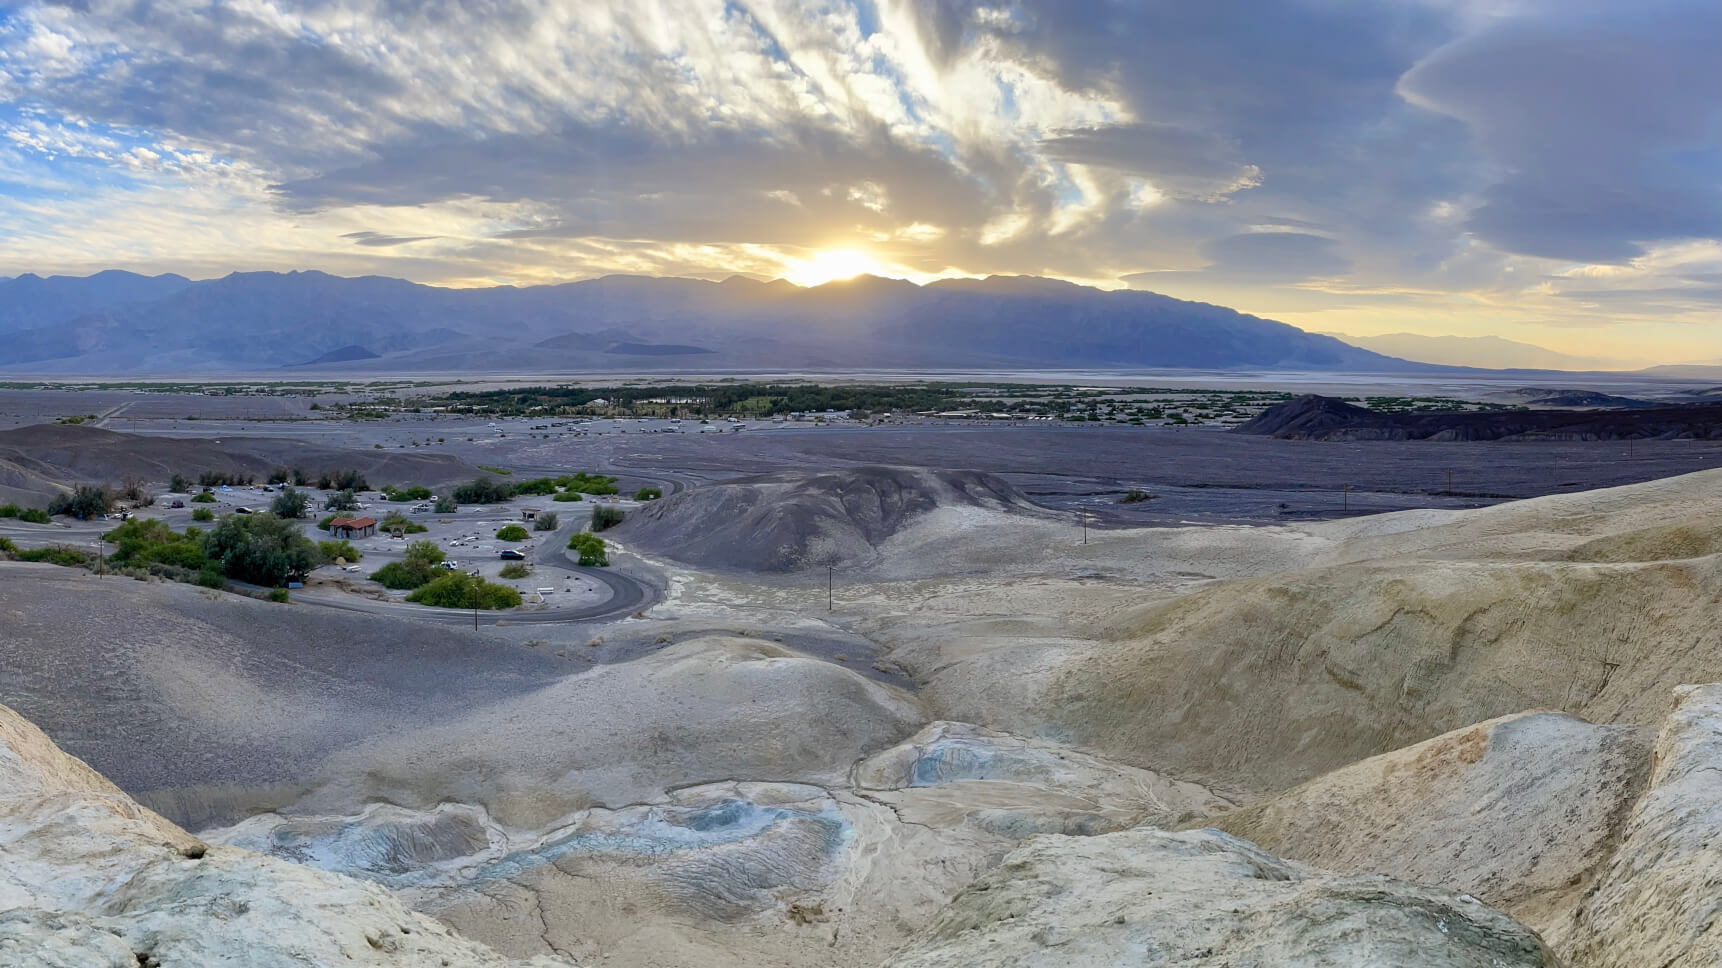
[475, 606]
[1345, 499]
[1084, 515]
[1449, 482]
[831, 588]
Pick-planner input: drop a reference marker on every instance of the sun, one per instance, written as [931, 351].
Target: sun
[830, 265]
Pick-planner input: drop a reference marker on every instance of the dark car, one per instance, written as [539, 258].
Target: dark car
[511, 554]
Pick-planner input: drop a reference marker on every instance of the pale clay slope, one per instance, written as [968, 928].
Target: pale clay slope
[93, 880]
[1520, 812]
[1659, 901]
[1386, 636]
[1151, 899]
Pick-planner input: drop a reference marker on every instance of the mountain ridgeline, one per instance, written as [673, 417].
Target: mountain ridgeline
[118, 322]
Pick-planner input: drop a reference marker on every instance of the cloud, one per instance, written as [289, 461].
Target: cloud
[1280, 155]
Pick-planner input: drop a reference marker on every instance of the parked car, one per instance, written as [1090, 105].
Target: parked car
[512, 554]
[451, 566]
[177, 503]
[242, 510]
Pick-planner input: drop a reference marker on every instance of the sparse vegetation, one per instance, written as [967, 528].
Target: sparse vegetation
[505, 472]
[202, 514]
[511, 532]
[415, 493]
[457, 589]
[546, 521]
[179, 484]
[278, 595]
[446, 504]
[343, 500]
[537, 485]
[648, 494]
[1135, 496]
[482, 490]
[567, 496]
[344, 480]
[63, 555]
[606, 516]
[203, 497]
[398, 521]
[591, 549]
[34, 516]
[515, 569]
[145, 541]
[584, 483]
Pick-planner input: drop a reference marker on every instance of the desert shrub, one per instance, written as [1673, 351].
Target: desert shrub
[347, 480]
[460, 590]
[203, 497]
[330, 550]
[591, 549]
[9, 510]
[538, 485]
[511, 532]
[136, 490]
[210, 576]
[290, 503]
[202, 514]
[648, 494]
[62, 555]
[415, 493]
[228, 478]
[1135, 496]
[179, 484]
[396, 519]
[417, 569]
[567, 496]
[483, 491]
[34, 516]
[7, 548]
[344, 500]
[141, 541]
[86, 502]
[515, 569]
[585, 483]
[605, 517]
[547, 521]
[279, 475]
[259, 548]
[495, 470]
[446, 504]
[325, 520]
[278, 595]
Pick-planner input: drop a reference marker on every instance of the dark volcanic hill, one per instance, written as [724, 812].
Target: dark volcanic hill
[119, 323]
[1313, 417]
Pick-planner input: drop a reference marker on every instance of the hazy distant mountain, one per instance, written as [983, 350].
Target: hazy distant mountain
[30, 300]
[1485, 351]
[118, 322]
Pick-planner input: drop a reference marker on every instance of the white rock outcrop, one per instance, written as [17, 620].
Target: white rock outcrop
[90, 879]
[1152, 899]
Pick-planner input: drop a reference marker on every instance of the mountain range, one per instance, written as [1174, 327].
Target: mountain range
[120, 322]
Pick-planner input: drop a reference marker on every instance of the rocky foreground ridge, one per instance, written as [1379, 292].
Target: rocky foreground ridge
[90, 878]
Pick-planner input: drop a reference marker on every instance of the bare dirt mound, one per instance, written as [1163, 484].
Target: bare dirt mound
[38, 460]
[786, 522]
[1314, 417]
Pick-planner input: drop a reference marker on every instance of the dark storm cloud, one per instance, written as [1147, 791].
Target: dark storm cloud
[1604, 121]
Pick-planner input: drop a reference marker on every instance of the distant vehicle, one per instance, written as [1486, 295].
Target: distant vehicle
[177, 503]
[451, 566]
[350, 568]
[511, 554]
[421, 507]
[242, 511]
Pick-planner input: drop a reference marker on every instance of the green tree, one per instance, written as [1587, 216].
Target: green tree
[330, 551]
[259, 548]
[396, 519]
[180, 484]
[446, 504]
[546, 521]
[418, 568]
[342, 500]
[202, 514]
[290, 503]
[85, 502]
[591, 549]
[483, 490]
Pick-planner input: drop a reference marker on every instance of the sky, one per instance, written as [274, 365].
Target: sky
[1540, 170]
